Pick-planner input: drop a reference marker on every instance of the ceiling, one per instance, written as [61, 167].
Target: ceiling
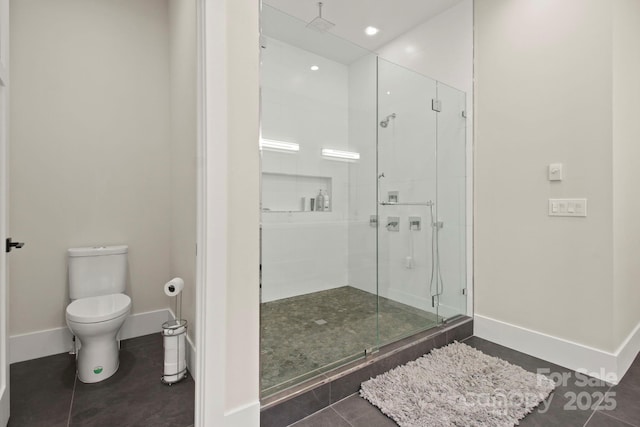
[391, 17]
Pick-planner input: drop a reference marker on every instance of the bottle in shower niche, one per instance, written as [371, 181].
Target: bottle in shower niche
[320, 201]
[327, 205]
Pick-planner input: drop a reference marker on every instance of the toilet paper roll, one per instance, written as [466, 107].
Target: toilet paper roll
[173, 287]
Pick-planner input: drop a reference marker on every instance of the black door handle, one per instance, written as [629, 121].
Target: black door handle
[11, 245]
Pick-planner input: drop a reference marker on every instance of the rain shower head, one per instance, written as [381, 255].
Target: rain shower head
[319, 23]
[384, 123]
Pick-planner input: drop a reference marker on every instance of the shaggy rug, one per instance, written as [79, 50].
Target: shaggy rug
[457, 385]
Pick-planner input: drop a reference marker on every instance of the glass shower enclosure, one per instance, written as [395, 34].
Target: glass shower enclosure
[363, 202]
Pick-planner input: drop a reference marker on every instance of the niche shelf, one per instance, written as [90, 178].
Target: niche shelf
[293, 193]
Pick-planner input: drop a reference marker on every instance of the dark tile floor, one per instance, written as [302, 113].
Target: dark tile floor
[45, 392]
[577, 400]
[308, 334]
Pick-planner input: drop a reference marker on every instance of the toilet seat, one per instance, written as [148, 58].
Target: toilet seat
[98, 309]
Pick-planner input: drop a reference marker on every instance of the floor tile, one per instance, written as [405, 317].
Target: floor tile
[325, 418]
[134, 396]
[373, 419]
[626, 398]
[350, 383]
[525, 361]
[572, 402]
[601, 420]
[296, 408]
[41, 391]
[360, 413]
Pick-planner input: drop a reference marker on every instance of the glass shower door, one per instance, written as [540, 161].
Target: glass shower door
[407, 202]
[452, 200]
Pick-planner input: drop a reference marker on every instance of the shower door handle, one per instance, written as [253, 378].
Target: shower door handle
[10, 245]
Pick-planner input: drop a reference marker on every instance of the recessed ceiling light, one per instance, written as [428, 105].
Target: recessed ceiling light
[388, 92]
[371, 31]
[314, 68]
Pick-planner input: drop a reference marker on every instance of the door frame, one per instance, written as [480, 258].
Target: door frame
[4, 212]
[228, 215]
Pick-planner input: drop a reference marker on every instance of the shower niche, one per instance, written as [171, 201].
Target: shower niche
[283, 192]
[338, 285]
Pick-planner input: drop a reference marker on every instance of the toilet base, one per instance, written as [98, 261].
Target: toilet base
[98, 360]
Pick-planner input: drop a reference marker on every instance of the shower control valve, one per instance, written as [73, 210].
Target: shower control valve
[415, 223]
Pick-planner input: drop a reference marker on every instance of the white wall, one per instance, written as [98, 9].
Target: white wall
[441, 48]
[544, 97]
[626, 174]
[90, 155]
[182, 51]
[303, 252]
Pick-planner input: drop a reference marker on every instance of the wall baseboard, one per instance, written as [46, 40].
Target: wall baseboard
[59, 340]
[191, 358]
[628, 351]
[600, 364]
[247, 415]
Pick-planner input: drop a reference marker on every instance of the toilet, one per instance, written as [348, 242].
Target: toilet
[99, 307]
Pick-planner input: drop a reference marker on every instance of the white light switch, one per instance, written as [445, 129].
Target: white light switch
[555, 172]
[568, 207]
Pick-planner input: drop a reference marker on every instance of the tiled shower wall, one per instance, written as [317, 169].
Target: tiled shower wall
[304, 252]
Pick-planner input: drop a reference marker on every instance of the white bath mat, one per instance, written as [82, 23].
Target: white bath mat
[457, 385]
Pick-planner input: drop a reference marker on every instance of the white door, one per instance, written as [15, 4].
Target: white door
[4, 134]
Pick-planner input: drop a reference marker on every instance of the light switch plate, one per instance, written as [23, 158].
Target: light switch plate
[568, 207]
[555, 172]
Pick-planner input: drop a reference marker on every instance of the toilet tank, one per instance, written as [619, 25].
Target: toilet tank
[95, 271]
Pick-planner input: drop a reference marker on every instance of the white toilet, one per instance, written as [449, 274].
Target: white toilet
[99, 307]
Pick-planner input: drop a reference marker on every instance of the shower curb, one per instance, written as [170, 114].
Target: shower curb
[288, 406]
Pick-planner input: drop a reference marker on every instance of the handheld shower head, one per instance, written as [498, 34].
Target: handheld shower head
[384, 123]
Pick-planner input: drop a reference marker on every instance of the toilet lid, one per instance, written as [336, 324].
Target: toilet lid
[98, 309]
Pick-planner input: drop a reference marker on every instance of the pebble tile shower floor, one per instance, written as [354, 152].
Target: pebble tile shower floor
[45, 392]
[309, 333]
